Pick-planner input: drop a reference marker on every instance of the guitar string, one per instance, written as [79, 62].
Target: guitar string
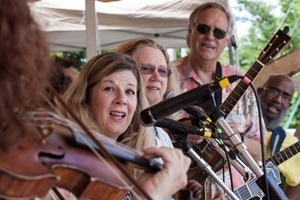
[254, 66]
[243, 190]
[266, 58]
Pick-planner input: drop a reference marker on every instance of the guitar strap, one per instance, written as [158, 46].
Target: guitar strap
[276, 140]
[218, 94]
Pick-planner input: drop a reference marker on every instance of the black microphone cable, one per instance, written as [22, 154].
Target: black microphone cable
[260, 117]
[201, 120]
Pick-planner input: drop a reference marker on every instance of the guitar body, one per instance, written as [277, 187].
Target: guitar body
[250, 190]
[197, 173]
[207, 151]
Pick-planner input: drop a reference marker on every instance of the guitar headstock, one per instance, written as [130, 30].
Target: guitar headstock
[274, 46]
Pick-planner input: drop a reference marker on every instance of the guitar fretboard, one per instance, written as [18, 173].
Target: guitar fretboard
[285, 154]
[237, 93]
[278, 41]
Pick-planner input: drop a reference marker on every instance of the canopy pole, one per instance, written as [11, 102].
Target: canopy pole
[292, 114]
[91, 22]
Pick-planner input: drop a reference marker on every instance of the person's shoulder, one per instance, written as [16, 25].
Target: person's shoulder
[182, 67]
[229, 69]
[180, 62]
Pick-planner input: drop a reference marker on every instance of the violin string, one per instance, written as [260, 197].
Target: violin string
[100, 137]
[115, 171]
[52, 105]
[106, 154]
[72, 125]
[68, 123]
[56, 194]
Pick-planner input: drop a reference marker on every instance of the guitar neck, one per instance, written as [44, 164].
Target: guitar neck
[274, 46]
[285, 154]
[240, 89]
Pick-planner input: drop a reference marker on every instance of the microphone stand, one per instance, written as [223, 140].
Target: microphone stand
[236, 162]
[240, 148]
[201, 120]
[187, 147]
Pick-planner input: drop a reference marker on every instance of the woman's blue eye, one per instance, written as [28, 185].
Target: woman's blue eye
[130, 92]
[109, 89]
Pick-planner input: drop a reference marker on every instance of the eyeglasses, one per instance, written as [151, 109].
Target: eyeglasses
[204, 29]
[149, 69]
[274, 92]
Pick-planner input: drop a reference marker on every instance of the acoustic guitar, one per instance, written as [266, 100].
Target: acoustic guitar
[250, 189]
[279, 40]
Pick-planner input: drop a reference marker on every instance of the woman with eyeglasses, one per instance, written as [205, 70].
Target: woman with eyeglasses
[108, 96]
[157, 77]
[209, 31]
[160, 83]
[155, 67]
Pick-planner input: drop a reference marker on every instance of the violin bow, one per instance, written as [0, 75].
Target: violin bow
[103, 150]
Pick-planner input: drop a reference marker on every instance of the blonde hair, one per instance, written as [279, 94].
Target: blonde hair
[132, 46]
[78, 96]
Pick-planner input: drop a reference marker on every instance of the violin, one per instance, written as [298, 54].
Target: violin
[54, 155]
[21, 172]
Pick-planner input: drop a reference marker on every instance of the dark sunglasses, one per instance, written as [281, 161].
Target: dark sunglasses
[204, 29]
[149, 69]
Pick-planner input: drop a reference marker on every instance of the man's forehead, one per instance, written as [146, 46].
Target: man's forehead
[280, 82]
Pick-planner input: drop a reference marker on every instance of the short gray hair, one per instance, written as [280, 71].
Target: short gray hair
[199, 9]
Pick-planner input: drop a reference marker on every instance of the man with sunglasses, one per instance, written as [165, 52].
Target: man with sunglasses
[275, 98]
[209, 31]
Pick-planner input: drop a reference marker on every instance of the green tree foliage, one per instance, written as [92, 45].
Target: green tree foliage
[78, 56]
[266, 18]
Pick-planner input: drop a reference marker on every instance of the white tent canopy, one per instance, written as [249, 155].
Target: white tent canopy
[164, 20]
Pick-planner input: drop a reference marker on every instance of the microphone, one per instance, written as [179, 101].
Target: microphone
[192, 97]
[199, 118]
[181, 128]
[195, 114]
[191, 111]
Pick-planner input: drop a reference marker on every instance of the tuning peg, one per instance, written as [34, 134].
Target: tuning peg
[286, 29]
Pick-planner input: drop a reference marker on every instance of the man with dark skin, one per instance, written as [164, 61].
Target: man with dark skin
[275, 98]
